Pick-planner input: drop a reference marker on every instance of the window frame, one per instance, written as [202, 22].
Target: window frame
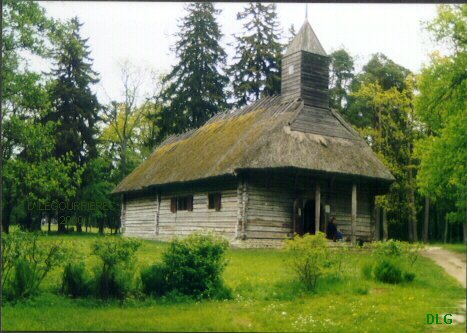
[181, 203]
[215, 201]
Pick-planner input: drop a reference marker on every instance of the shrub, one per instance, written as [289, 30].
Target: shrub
[191, 266]
[310, 258]
[114, 278]
[388, 271]
[154, 280]
[75, 280]
[391, 261]
[194, 265]
[26, 261]
[115, 282]
[24, 281]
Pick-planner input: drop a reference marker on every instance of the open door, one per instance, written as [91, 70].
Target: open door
[309, 217]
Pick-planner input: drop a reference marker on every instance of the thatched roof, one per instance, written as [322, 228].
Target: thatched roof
[270, 133]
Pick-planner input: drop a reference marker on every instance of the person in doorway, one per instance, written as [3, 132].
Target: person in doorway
[332, 232]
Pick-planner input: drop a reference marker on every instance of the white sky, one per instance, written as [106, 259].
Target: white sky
[143, 32]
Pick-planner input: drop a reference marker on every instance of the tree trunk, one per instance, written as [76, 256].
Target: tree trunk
[49, 223]
[464, 227]
[446, 227]
[101, 226]
[61, 226]
[413, 235]
[426, 220]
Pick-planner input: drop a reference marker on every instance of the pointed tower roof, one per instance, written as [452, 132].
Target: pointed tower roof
[306, 40]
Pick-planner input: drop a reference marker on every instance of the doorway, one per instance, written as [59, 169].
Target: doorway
[309, 226]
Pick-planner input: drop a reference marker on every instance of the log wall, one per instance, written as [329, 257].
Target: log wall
[149, 217]
[139, 217]
[256, 210]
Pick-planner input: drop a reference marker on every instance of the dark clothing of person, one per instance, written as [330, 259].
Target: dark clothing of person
[332, 233]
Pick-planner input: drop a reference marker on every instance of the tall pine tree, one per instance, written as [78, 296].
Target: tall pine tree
[256, 70]
[194, 90]
[75, 106]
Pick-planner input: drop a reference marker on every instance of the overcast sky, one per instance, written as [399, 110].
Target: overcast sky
[143, 32]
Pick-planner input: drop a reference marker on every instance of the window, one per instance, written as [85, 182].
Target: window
[214, 201]
[181, 203]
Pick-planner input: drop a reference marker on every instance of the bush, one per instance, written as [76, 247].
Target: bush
[75, 280]
[115, 282]
[154, 280]
[310, 258]
[391, 261]
[114, 278]
[388, 271]
[195, 264]
[191, 266]
[26, 261]
[24, 281]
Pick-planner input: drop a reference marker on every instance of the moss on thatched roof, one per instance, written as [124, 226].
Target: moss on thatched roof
[262, 135]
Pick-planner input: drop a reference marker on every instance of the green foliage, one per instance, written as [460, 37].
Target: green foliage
[114, 277]
[441, 105]
[256, 70]
[408, 276]
[75, 106]
[115, 250]
[264, 296]
[341, 75]
[23, 284]
[191, 266]
[154, 280]
[195, 264]
[26, 262]
[310, 258]
[114, 282]
[392, 261]
[75, 280]
[194, 90]
[388, 271]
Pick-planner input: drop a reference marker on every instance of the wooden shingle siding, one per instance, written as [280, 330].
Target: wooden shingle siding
[140, 217]
[201, 218]
[269, 209]
[291, 83]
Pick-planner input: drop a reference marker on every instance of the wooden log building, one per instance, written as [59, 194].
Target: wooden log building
[260, 174]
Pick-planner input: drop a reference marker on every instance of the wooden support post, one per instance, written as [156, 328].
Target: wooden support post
[377, 223]
[354, 214]
[317, 207]
[385, 226]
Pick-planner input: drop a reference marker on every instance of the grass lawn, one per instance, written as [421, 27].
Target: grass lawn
[457, 247]
[266, 298]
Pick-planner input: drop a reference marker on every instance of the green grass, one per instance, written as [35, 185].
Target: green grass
[456, 247]
[266, 298]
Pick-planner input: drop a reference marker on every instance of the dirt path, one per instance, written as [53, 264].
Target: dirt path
[453, 263]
